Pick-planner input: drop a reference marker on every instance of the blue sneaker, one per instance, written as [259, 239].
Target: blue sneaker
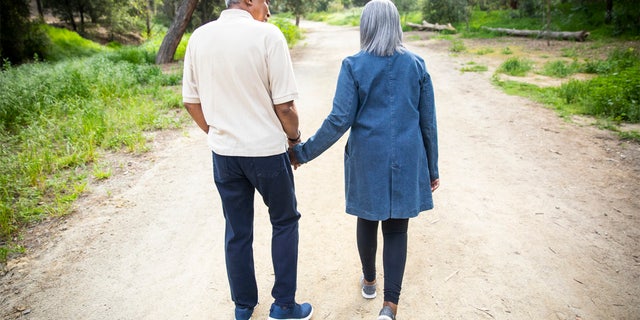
[297, 312]
[243, 313]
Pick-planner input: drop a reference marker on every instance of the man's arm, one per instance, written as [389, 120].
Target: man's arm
[195, 111]
[288, 116]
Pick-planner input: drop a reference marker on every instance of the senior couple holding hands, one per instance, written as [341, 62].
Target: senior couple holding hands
[239, 88]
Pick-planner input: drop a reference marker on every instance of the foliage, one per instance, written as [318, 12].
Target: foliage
[20, 39]
[290, 31]
[614, 94]
[68, 44]
[153, 43]
[516, 66]
[618, 60]
[55, 118]
[567, 15]
[349, 17]
[457, 45]
[118, 16]
[297, 7]
[473, 67]
[560, 68]
[445, 11]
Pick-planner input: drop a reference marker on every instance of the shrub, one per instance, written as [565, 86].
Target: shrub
[516, 66]
[457, 45]
[616, 95]
[445, 11]
[560, 68]
[290, 31]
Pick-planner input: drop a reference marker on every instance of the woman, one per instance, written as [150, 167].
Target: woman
[385, 96]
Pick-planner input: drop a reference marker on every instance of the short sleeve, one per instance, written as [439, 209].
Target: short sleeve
[281, 78]
[189, 78]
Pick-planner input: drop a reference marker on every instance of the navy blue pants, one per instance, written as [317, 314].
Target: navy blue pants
[394, 253]
[237, 179]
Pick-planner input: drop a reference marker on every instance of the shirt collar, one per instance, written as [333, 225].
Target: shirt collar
[235, 13]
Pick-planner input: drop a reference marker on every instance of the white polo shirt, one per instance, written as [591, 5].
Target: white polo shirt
[237, 68]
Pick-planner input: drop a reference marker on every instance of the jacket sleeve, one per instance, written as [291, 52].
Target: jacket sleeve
[428, 124]
[342, 116]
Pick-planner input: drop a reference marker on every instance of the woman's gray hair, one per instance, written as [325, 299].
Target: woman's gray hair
[380, 30]
[230, 2]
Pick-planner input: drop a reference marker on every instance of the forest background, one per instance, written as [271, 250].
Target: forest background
[79, 79]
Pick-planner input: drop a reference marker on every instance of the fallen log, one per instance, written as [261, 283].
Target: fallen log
[561, 35]
[430, 26]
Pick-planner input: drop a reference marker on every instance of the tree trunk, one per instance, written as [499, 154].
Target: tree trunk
[175, 32]
[148, 17]
[608, 17]
[40, 11]
[560, 35]
[429, 26]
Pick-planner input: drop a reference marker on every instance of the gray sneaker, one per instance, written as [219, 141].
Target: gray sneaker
[368, 290]
[386, 314]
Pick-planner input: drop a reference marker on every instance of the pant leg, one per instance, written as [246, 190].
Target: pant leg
[367, 239]
[237, 195]
[273, 178]
[394, 256]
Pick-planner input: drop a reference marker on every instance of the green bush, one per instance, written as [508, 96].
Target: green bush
[572, 91]
[290, 31]
[457, 46]
[616, 96]
[560, 68]
[445, 11]
[516, 66]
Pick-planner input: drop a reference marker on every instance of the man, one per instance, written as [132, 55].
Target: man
[239, 87]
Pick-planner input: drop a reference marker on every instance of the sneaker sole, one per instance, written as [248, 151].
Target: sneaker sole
[305, 318]
[369, 296]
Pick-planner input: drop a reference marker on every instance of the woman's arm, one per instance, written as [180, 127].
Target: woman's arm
[342, 116]
[429, 127]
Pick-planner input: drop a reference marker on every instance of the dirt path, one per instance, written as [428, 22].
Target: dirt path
[536, 218]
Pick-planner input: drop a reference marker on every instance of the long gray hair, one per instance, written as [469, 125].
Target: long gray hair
[380, 30]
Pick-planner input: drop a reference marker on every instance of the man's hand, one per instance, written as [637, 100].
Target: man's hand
[195, 111]
[292, 157]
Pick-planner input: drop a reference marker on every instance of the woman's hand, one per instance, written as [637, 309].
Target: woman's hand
[435, 184]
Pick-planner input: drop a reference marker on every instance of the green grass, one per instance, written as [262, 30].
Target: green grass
[560, 68]
[516, 66]
[483, 51]
[56, 119]
[457, 46]
[613, 96]
[65, 44]
[473, 67]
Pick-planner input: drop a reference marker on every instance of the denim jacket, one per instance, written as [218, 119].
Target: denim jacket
[391, 155]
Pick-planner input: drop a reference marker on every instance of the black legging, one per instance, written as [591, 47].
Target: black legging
[394, 253]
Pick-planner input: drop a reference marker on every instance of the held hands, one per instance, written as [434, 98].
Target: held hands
[292, 156]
